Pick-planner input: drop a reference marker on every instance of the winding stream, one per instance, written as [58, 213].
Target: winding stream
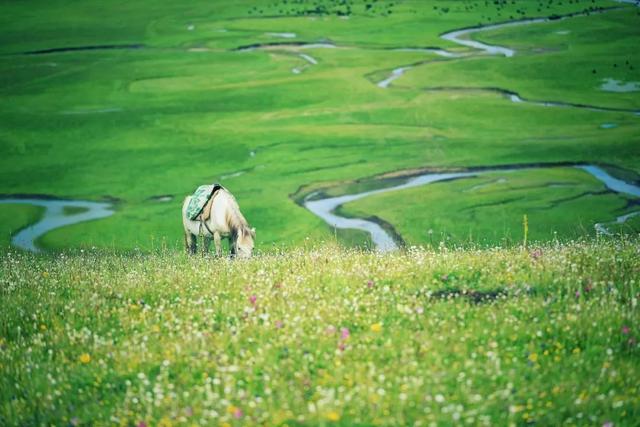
[383, 241]
[461, 37]
[55, 217]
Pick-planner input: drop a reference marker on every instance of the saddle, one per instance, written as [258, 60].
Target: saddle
[199, 208]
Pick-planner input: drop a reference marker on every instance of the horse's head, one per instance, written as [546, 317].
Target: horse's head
[244, 242]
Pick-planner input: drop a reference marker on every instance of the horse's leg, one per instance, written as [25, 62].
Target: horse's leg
[206, 242]
[232, 247]
[190, 242]
[216, 241]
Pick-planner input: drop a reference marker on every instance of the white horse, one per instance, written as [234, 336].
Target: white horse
[226, 221]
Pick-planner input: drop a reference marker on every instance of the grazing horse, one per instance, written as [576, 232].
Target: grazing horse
[226, 221]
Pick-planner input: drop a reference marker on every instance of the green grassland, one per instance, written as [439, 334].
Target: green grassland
[323, 336]
[186, 109]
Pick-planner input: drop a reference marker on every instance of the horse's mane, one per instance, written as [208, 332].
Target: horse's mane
[234, 217]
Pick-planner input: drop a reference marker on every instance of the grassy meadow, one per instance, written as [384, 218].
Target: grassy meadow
[544, 335]
[177, 105]
[480, 319]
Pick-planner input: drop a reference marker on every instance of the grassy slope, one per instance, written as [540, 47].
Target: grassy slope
[323, 336]
[134, 124]
[563, 202]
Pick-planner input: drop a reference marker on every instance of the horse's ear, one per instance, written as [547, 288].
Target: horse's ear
[253, 232]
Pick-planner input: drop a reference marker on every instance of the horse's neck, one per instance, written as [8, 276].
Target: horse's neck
[233, 217]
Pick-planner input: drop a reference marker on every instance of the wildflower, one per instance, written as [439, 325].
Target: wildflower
[234, 411]
[626, 329]
[376, 327]
[577, 294]
[536, 254]
[370, 284]
[45, 274]
[279, 324]
[419, 310]
[252, 299]
[514, 409]
[607, 424]
[84, 358]
[333, 416]
[165, 422]
[237, 414]
[533, 357]
[344, 333]
[142, 424]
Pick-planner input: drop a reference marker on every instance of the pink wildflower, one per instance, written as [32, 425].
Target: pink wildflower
[252, 299]
[626, 329]
[536, 254]
[344, 333]
[237, 414]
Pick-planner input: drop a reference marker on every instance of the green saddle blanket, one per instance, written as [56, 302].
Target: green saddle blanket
[200, 198]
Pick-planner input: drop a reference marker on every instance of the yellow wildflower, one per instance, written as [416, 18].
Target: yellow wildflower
[165, 422]
[84, 358]
[333, 416]
[533, 357]
[376, 327]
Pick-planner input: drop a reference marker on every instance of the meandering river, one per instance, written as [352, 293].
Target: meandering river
[462, 38]
[326, 208]
[58, 213]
